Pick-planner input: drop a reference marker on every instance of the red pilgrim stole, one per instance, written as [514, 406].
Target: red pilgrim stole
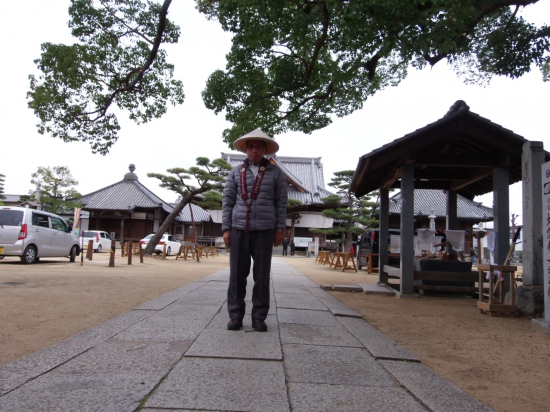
[255, 188]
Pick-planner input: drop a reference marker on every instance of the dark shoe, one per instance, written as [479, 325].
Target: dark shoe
[259, 325]
[234, 324]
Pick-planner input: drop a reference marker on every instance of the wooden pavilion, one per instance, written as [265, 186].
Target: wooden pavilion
[461, 153]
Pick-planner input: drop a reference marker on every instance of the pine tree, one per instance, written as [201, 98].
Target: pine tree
[351, 214]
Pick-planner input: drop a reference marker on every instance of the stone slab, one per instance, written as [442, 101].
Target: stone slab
[176, 323]
[296, 290]
[60, 392]
[334, 366]
[376, 342]
[208, 298]
[20, 371]
[126, 358]
[350, 398]
[318, 291]
[326, 286]
[218, 342]
[333, 335]
[337, 308]
[375, 289]
[305, 317]
[437, 393]
[292, 301]
[161, 302]
[223, 384]
[347, 288]
[306, 282]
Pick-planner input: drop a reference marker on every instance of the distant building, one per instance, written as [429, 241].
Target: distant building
[130, 211]
[306, 183]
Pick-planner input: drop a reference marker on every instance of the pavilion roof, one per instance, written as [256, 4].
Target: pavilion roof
[457, 152]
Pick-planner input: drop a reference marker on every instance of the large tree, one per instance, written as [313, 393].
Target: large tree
[294, 64]
[57, 192]
[116, 61]
[206, 182]
[352, 213]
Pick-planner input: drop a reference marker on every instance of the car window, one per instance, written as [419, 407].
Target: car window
[171, 238]
[102, 235]
[58, 224]
[11, 217]
[89, 234]
[40, 220]
[107, 236]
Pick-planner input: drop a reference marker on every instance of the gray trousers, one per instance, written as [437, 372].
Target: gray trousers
[257, 245]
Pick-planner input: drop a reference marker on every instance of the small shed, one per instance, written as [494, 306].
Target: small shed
[462, 154]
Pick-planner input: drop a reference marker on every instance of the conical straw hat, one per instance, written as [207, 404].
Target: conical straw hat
[272, 145]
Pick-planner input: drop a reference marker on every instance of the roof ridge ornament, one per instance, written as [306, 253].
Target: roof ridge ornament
[458, 106]
[131, 175]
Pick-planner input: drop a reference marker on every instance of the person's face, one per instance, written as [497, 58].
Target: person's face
[255, 150]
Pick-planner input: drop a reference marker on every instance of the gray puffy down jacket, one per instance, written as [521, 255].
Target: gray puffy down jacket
[268, 211]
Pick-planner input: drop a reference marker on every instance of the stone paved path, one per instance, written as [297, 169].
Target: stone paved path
[175, 354]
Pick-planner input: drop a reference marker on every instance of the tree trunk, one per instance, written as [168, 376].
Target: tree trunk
[165, 225]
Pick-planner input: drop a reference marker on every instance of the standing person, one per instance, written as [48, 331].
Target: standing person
[292, 248]
[254, 217]
[285, 247]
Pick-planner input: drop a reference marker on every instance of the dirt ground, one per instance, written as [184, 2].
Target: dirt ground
[501, 361]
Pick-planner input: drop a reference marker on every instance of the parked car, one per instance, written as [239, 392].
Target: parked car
[102, 240]
[172, 244]
[32, 234]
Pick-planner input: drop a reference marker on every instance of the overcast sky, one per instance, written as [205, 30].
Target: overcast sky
[190, 130]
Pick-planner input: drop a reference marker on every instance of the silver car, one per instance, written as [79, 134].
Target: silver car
[32, 234]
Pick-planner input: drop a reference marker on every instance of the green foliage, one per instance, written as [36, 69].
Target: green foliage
[116, 61]
[204, 190]
[294, 64]
[57, 193]
[207, 177]
[290, 203]
[351, 211]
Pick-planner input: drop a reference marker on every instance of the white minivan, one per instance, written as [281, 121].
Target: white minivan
[32, 234]
[101, 240]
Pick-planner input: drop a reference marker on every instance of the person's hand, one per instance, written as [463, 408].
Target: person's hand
[227, 237]
[278, 238]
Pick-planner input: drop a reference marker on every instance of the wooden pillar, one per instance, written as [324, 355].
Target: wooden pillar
[121, 229]
[501, 212]
[452, 213]
[407, 230]
[383, 234]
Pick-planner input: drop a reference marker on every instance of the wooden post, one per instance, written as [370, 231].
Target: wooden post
[164, 251]
[112, 254]
[130, 252]
[140, 253]
[90, 250]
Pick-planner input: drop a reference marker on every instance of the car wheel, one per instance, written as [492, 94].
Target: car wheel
[168, 251]
[72, 256]
[99, 249]
[29, 255]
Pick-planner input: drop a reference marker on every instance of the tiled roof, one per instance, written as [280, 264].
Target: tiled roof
[129, 194]
[124, 195]
[460, 133]
[199, 214]
[425, 200]
[306, 173]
